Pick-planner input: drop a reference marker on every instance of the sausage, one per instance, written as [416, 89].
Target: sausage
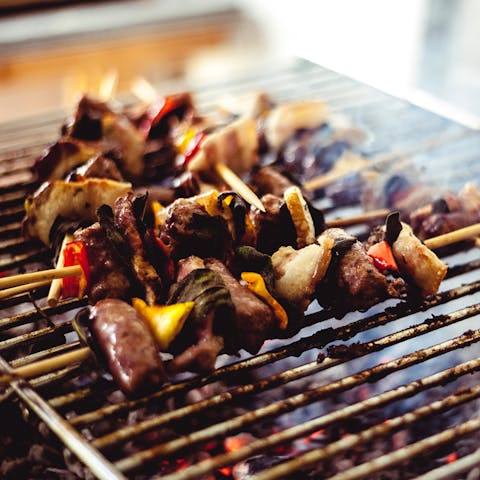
[127, 345]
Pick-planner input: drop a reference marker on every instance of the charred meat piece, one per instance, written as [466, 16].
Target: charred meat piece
[353, 282]
[127, 221]
[298, 272]
[274, 227]
[417, 262]
[61, 157]
[190, 230]
[108, 274]
[72, 200]
[270, 180]
[253, 321]
[127, 345]
[97, 167]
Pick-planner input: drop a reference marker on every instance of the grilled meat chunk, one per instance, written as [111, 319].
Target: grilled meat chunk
[417, 262]
[353, 282]
[253, 321]
[126, 221]
[447, 214]
[298, 272]
[127, 345]
[270, 180]
[72, 200]
[274, 227]
[235, 145]
[61, 157]
[190, 230]
[108, 274]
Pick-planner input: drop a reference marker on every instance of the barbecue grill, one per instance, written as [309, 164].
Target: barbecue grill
[303, 407]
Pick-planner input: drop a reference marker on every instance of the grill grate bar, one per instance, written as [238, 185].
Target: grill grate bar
[318, 340]
[285, 405]
[126, 433]
[407, 453]
[451, 470]
[307, 428]
[365, 470]
[69, 436]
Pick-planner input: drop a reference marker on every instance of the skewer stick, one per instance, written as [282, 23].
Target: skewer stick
[238, 185]
[459, 235]
[42, 276]
[56, 286]
[324, 180]
[11, 292]
[49, 364]
[364, 217]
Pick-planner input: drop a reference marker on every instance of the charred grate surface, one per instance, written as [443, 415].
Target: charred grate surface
[314, 406]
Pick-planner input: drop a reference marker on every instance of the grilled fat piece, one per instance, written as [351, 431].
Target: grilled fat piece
[417, 262]
[298, 272]
[72, 200]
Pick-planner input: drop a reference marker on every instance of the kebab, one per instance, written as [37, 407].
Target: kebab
[218, 334]
[303, 230]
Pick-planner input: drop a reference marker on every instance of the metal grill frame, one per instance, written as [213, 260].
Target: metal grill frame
[400, 130]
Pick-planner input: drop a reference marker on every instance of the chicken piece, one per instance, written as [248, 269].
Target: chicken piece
[127, 345]
[298, 272]
[354, 283]
[99, 127]
[417, 262]
[72, 200]
[234, 145]
[284, 120]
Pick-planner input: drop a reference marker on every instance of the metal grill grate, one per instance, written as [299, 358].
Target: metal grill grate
[407, 355]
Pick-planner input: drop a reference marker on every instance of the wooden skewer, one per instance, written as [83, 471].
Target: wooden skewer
[238, 186]
[144, 90]
[459, 235]
[11, 292]
[108, 85]
[44, 275]
[364, 217]
[56, 286]
[49, 364]
[54, 363]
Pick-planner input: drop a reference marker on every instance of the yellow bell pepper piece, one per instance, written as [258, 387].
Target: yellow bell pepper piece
[254, 281]
[165, 321]
[159, 213]
[184, 141]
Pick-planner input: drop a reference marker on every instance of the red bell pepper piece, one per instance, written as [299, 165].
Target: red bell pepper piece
[75, 253]
[382, 255]
[156, 112]
[194, 147]
[168, 266]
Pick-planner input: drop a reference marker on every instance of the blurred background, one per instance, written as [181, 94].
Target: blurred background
[51, 51]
